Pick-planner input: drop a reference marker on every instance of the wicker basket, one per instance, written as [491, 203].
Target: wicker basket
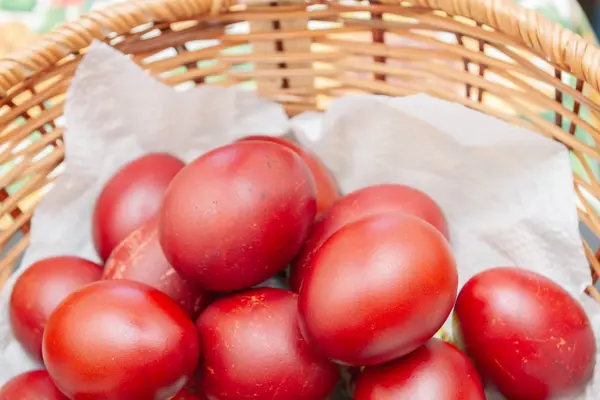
[490, 55]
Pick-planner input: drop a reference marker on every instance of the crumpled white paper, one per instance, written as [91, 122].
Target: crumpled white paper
[507, 192]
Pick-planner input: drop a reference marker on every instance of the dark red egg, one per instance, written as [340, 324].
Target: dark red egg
[437, 370]
[525, 334]
[34, 385]
[253, 349]
[237, 215]
[378, 289]
[120, 340]
[39, 290]
[130, 198]
[140, 258]
[362, 203]
[327, 189]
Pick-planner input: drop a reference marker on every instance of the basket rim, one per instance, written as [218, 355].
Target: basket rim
[559, 45]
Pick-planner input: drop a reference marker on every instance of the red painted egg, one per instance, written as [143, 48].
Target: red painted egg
[525, 334]
[253, 349]
[437, 370]
[140, 258]
[130, 198]
[120, 340]
[34, 385]
[327, 189]
[237, 215]
[378, 289]
[39, 290]
[362, 203]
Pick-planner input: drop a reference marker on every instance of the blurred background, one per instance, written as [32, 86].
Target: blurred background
[22, 20]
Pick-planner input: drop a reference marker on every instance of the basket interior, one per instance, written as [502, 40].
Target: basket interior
[301, 54]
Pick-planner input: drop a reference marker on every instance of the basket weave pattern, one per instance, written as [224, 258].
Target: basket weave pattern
[490, 55]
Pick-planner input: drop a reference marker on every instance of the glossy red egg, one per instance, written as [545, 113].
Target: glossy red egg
[525, 334]
[130, 198]
[327, 189]
[120, 340]
[378, 289]
[253, 349]
[34, 385]
[39, 290]
[437, 370]
[237, 215]
[140, 258]
[362, 203]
